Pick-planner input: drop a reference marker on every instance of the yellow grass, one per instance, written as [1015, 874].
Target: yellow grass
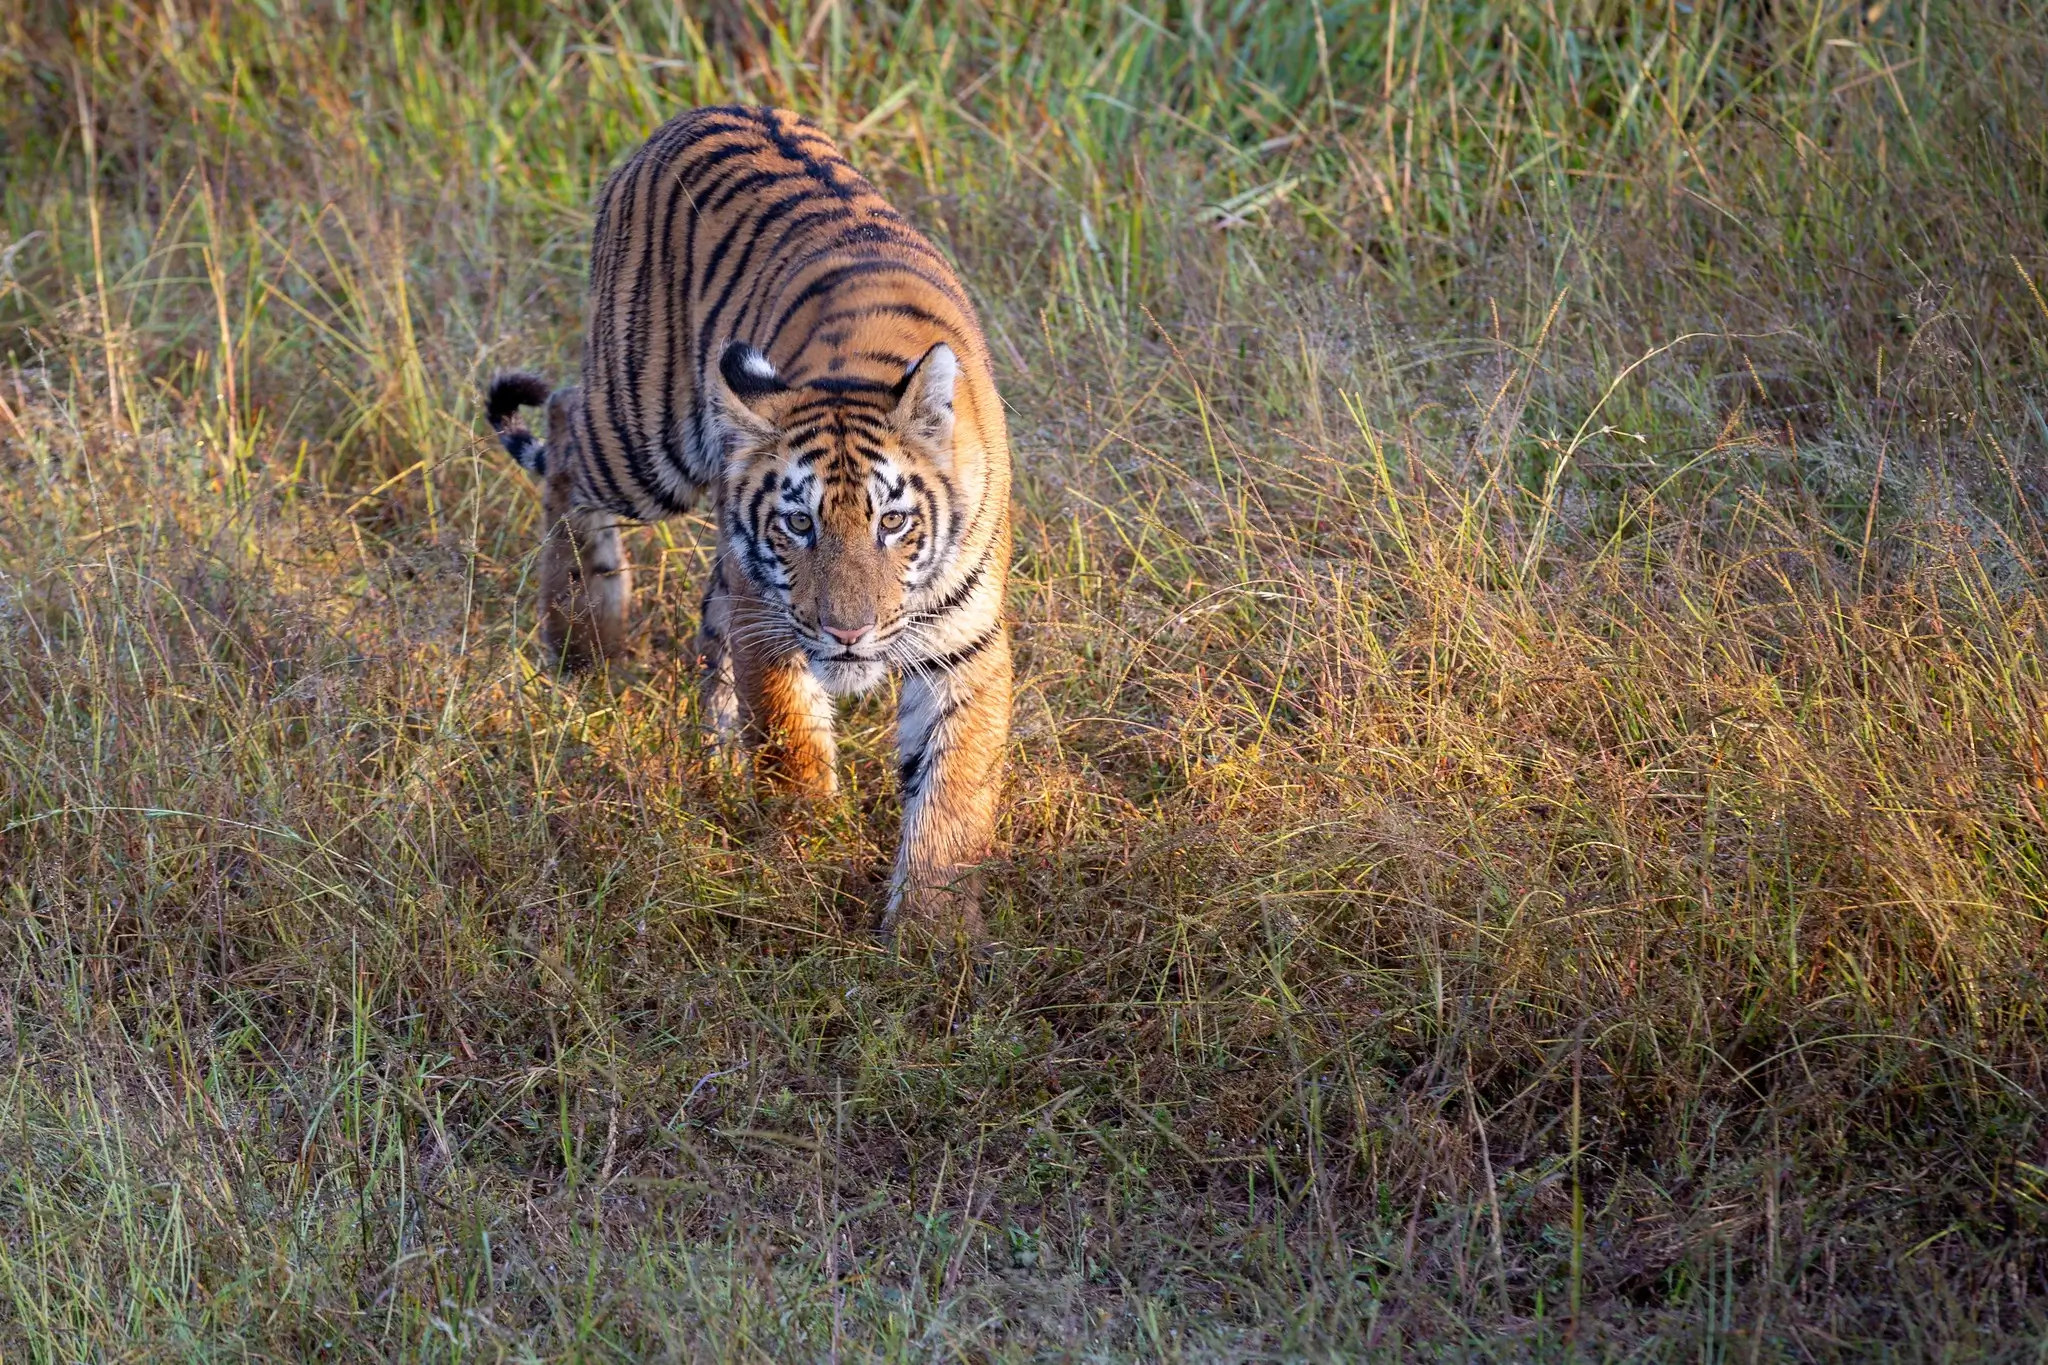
[1526, 822]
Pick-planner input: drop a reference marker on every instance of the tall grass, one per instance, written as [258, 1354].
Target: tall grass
[1527, 817]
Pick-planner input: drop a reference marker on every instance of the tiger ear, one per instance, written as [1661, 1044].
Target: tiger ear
[924, 399]
[745, 378]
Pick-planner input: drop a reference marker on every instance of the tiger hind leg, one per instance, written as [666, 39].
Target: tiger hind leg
[586, 583]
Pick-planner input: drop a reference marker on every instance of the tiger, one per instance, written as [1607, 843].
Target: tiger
[765, 333]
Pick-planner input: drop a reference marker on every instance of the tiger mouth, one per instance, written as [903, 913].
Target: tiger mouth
[841, 654]
[823, 652]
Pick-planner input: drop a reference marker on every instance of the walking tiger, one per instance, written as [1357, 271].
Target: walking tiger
[766, 332]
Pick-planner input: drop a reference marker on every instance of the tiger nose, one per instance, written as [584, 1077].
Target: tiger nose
[846, 636]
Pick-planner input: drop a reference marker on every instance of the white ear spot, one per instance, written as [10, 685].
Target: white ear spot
[747, 372]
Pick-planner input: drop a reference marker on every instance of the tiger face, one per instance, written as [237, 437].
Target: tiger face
[836, 501]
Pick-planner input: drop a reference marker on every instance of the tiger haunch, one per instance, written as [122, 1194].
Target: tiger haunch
[765, 331]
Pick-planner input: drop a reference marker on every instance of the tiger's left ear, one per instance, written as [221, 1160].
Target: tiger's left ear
[924, 399]
[745, 378]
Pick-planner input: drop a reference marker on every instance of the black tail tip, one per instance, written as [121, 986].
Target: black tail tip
[512, 391]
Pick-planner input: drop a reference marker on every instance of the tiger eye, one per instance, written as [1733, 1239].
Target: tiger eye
[797, 523]
[893, 522]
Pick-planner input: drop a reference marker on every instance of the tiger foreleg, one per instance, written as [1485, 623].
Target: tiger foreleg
[951, 731]
[718, 699]
[785, 714]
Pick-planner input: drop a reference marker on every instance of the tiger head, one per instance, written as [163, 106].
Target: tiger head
[839, 502]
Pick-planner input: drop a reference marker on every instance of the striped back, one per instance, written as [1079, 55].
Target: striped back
[746, 225]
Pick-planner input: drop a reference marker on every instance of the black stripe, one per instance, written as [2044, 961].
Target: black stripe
[613, 495]
[679, 342]
[746, 232]
[878, 231]
[912, 771]
[873, 454]
[837, 386]
[603, 387]
[809, 157]
[862, 312]
[789, 259]
[856, 414]
[949, 662]
[955, 599]
[761, 495]
[635, 359]
[683, 378]
[712, 325]
[717, 196]
[698, 160]
[831, 279]
[792, 260]
[946, 522]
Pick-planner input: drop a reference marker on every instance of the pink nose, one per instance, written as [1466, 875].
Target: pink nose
[848, 637]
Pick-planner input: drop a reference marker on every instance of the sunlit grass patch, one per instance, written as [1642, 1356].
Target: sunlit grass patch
[1526, 815]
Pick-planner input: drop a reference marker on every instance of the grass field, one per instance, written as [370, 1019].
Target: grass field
[1527, 819]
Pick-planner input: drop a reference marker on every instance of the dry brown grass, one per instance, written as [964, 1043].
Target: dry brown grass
[1527, 815]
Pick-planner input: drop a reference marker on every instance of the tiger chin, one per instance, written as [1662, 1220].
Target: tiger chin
[766, 335]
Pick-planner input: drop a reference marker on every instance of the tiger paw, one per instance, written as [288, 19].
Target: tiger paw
[936, 911]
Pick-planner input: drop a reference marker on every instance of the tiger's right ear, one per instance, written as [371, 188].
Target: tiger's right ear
[745, 378]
